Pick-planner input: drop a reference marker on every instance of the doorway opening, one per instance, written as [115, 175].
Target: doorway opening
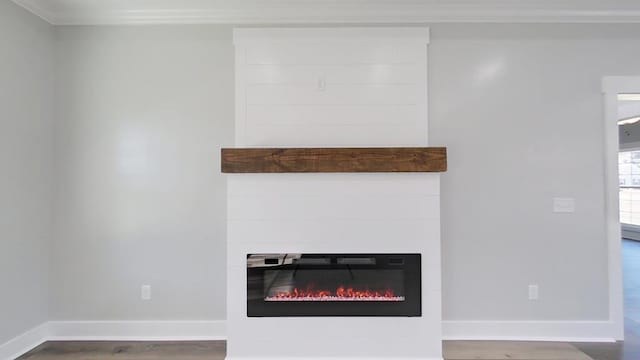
[629, 164]
[629, 197]
[619, 92]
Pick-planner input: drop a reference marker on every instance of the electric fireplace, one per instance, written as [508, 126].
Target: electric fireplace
[333, 285]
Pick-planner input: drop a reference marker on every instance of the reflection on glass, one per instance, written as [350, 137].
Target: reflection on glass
[334, 285]
[629, 179]
[629, 168]
[630, 205]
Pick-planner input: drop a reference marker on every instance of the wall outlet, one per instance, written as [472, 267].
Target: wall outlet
[533, 292]
[145, 292]
[322, 84]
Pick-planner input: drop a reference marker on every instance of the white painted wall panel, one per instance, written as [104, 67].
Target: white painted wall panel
[331, 90]
[324, 206]
[521, 111]
[334, 94]
[335, 52]
[347, 73]
[141, 115]
[26, 167]
[346, 184]
[323, 135]
[354, 233]
[345, 115]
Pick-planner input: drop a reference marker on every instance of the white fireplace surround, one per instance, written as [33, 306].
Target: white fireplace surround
[333, 87]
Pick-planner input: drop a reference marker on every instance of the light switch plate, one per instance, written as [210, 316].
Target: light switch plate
[564, 205]
[145, 292]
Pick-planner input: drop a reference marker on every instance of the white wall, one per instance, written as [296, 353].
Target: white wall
[141, 115]
[520, 108]
[143, 111]
[25, 168]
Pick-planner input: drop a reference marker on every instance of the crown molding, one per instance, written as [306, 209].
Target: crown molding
[378, 34]
[34, 7]
[337, 12]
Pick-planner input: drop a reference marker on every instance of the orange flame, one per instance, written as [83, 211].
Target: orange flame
[340, 294]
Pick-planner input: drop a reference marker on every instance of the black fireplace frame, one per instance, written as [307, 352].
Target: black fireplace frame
[257, 264]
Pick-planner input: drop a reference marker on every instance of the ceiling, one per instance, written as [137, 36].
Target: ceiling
[85, 12]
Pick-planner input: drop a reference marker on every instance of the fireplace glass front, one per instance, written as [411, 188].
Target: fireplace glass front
[333, 285]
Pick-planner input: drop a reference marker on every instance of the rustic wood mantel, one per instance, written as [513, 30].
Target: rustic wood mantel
[334, 160]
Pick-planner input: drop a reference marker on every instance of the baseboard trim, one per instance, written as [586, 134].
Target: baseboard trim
[328, 358]
[568, 331]
[23, 343]
[113, 331]
[137, 330]
[565, 331]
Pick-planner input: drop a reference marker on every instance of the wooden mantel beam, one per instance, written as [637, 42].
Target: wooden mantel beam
[334, 160]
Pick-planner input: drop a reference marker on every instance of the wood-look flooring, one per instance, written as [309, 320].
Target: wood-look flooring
[215, 350]
[128, 350]
[453, 350]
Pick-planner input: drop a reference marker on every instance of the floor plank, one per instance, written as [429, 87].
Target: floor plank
[511, 350]
[94, 350]
[215, 350]
[630, 348]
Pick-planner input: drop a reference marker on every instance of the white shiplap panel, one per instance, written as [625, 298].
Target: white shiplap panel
[336, 53]
[331, 87]
[372, 95]
[326, 206]
[403, 116]
[396, 184]
[332, 74]
[363, 235]
[338, 135]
